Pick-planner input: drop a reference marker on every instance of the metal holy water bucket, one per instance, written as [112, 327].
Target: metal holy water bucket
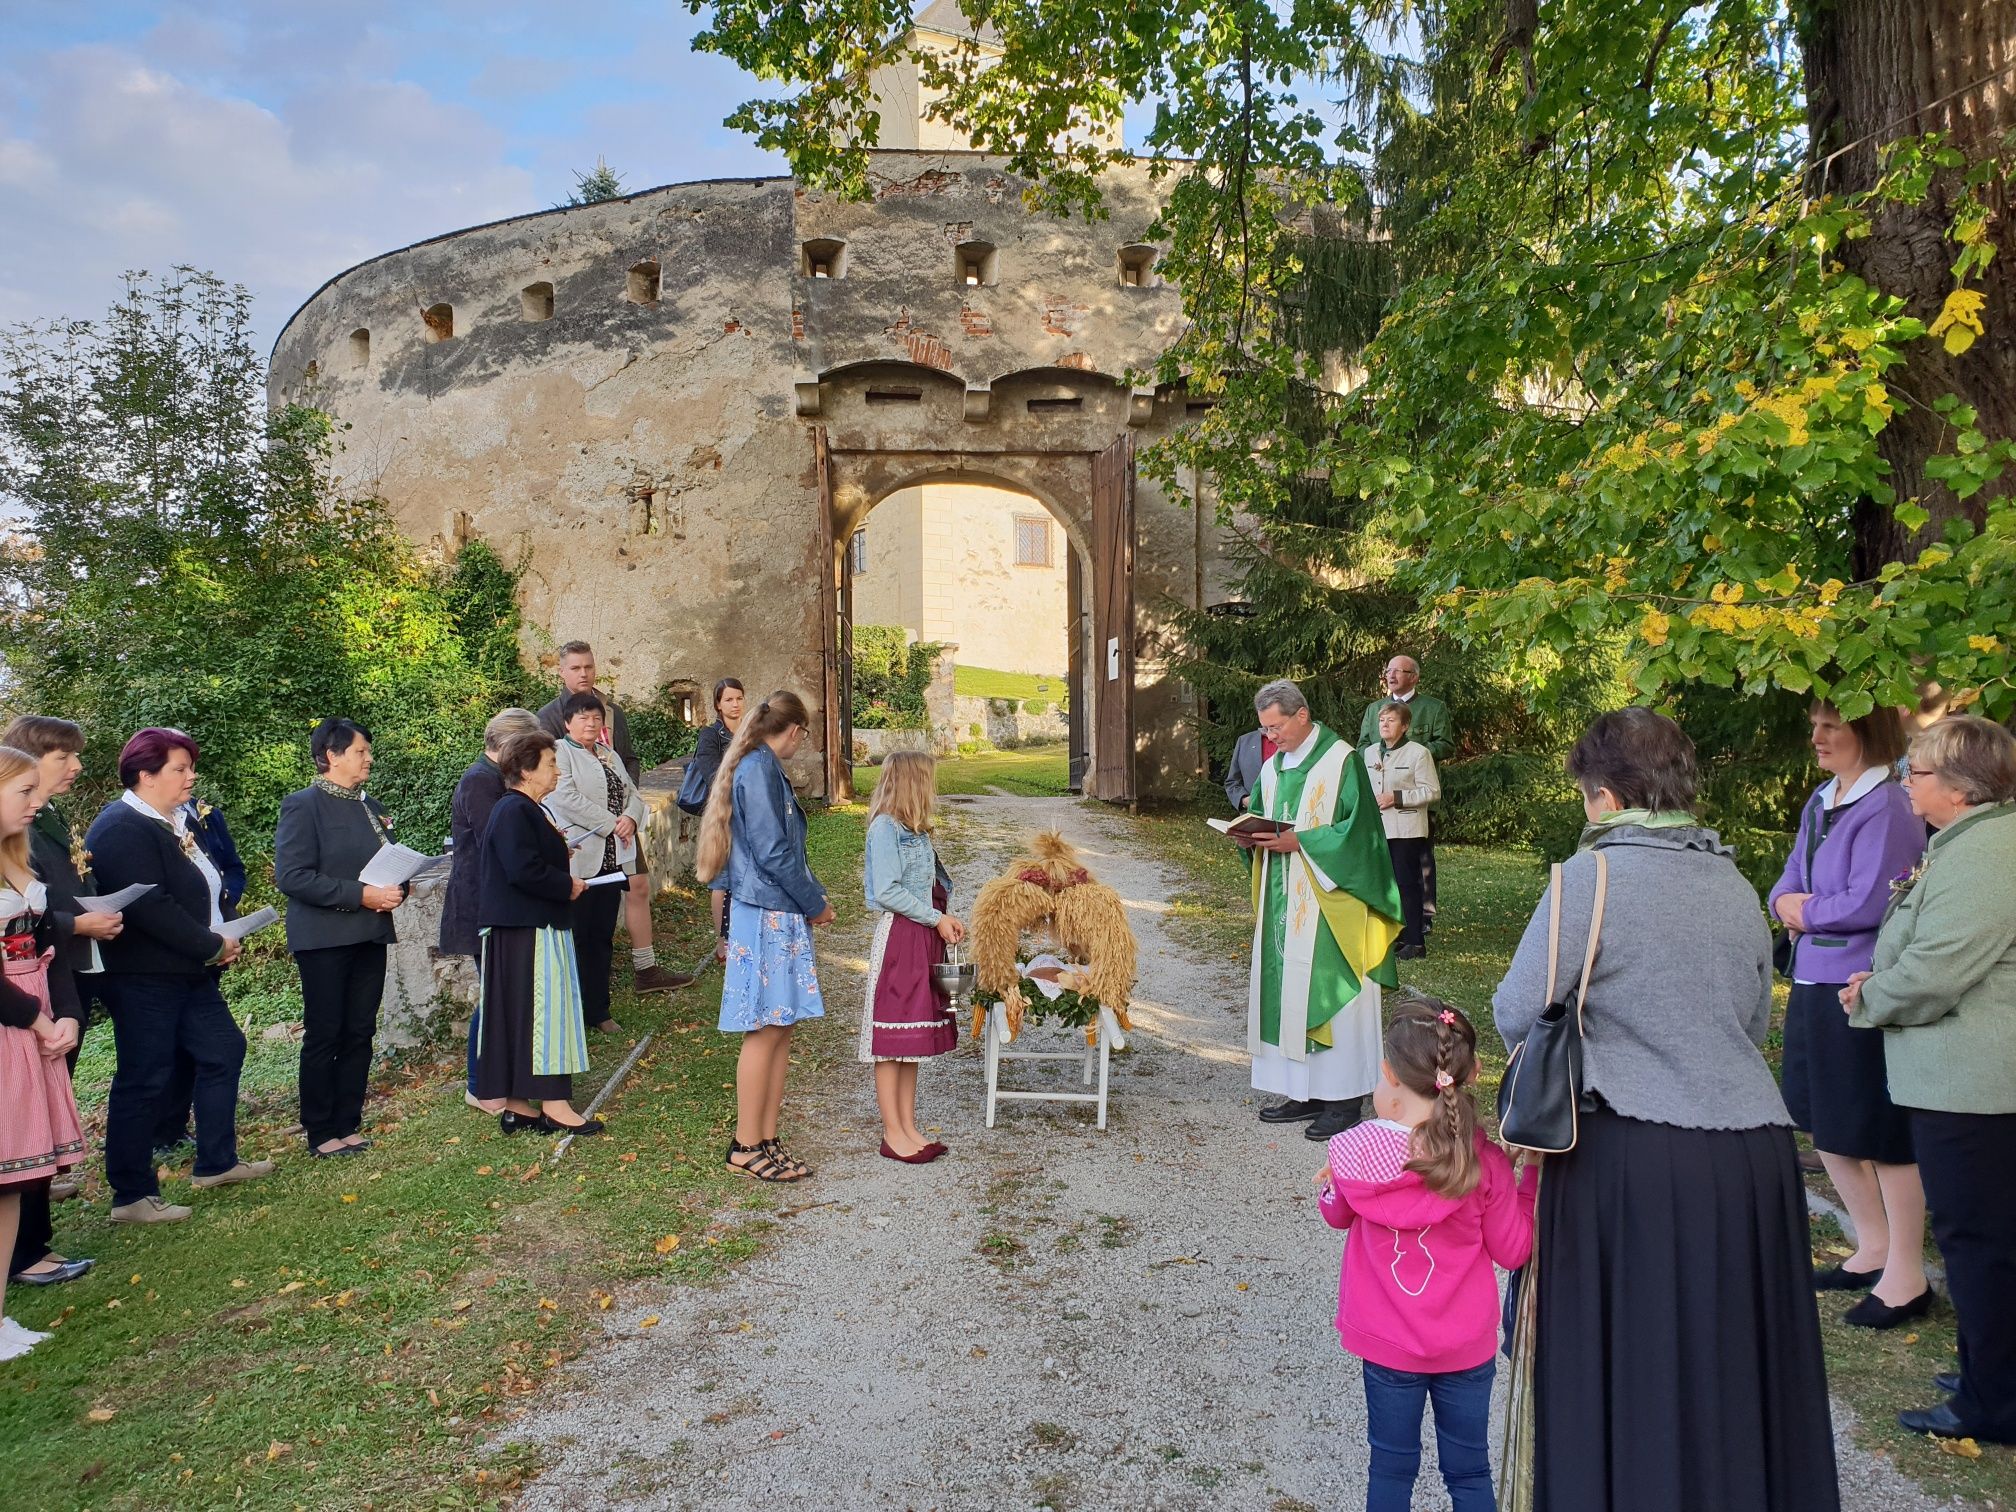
[953, 980]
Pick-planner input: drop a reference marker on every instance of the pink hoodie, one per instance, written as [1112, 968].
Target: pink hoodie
[1417, 1291]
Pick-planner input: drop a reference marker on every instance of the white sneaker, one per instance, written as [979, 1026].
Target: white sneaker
[9, 1329]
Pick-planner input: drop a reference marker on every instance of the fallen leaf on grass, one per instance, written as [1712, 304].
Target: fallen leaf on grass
[626, 1159]
[349, 1196]
[239, 1283]
[547, 1304]
[134, 1280]
[483, 1170]
[1910, 1338]
[1966, 1448]
[463, 1306]
[275, 1449]
[106, 1414]
[666, 1245]
[603, 1300]
[115, 1302]
[291, 1286]
[650, 1322]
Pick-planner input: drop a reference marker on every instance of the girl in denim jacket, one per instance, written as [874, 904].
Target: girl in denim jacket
[903, 1020]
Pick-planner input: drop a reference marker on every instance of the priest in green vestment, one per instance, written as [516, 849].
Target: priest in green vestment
[1326, 914]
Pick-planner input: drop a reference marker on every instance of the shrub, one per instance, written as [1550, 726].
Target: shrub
[1036, 706]
[890, 678]
[1509, 799]
[658, 732]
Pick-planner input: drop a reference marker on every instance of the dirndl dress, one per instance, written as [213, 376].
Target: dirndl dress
[530, 1043]
[770, 979]
[40, 1133]
[903, 1018]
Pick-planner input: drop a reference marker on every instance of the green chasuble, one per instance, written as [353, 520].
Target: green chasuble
[1358, 910]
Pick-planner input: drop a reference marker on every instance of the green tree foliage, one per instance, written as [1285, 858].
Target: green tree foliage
[591, 188]
[1646, 365]
[184, 560]
[890, 678]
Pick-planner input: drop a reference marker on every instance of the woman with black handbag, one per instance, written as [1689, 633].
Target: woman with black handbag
[1675, 1346]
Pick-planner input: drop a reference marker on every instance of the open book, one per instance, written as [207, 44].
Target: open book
[1249, 827]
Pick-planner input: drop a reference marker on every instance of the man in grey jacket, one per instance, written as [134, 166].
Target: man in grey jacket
[1248, 756]
[577, 675]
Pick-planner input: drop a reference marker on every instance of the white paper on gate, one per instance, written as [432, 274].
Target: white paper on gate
[114, 902]
[252, 923]
[394, 866]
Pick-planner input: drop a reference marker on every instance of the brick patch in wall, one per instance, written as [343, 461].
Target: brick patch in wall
[929, 351]
[975, 321]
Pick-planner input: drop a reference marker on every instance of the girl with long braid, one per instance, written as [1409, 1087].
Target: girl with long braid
[752, 846]
[1431, 1204]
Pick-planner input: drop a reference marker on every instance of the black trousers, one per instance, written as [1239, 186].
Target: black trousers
[1428, 876]
[1964, 1159]
[595, 914]
[341, 986]
[1409, 870]
[152, 1018]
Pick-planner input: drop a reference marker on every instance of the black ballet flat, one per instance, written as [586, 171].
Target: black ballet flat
[549, 1125]
[1873, 1312]
[520, 1123]
[1840, 1278]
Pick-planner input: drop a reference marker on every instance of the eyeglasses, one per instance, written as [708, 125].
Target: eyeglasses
[1918, 771]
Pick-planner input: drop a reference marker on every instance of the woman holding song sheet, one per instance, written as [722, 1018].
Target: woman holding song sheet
[598, 810]
[337, 928]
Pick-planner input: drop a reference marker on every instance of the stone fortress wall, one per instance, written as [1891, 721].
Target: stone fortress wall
[625, 395]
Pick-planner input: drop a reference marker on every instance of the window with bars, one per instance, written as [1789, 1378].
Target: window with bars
[1032, 541]
[857, 551]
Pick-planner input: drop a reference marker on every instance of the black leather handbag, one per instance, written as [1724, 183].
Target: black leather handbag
[1540, 1100]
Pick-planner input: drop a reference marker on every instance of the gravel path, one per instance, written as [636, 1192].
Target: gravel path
[1047, 1316]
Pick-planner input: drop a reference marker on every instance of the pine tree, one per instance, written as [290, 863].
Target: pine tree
[604, 183]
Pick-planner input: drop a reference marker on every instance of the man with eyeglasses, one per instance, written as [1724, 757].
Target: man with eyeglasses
[1326, 913]
[1428, 725]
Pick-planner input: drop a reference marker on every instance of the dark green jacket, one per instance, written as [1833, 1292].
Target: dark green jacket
[1430, 723]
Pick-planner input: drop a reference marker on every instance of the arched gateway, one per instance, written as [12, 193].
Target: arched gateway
[680, 454]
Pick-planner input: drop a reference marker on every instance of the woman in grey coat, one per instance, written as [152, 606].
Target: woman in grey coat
[1677, 1357]
[338, 929]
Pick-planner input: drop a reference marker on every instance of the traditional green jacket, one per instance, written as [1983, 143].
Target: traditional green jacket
[1944, 986]
[1429, 723]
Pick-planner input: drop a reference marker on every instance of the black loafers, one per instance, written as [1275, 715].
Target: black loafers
[1941, 1421]
[1335, 1118]
[1873, 1312]
[1840, 1278]
[1291, 1111]
[68, 1270]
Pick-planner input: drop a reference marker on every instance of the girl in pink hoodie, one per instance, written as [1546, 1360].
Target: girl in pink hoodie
[1431, 1204]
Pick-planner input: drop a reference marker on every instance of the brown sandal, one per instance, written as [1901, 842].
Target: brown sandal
[777, 1152]
[764, 1167]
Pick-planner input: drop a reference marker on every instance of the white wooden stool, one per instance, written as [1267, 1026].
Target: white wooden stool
[1109, 1040]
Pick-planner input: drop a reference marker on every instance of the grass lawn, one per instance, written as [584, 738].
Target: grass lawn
[985, 682]
[1042, 771]
[1486, 898]
[347, 1334]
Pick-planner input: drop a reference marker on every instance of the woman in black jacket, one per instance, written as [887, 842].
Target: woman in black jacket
[159, 980]
[338, 929]
[530, 1040]
[701, 767]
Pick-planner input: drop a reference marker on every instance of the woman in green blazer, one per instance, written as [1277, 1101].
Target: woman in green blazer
[1943, 988]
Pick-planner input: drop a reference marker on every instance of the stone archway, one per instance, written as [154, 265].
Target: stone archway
[857, 482]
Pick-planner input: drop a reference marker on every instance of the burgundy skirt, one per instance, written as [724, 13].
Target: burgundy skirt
[40, 1133]
[903, 1019]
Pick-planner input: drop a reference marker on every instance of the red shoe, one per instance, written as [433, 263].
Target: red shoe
[933, 1149]
[922, 1157]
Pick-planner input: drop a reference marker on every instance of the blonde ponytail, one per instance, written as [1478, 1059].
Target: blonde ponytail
[776, 714]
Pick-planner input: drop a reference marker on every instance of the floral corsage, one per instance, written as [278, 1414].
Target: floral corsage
[1903, 882]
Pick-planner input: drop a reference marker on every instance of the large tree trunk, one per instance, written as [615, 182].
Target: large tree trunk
[1877, 70]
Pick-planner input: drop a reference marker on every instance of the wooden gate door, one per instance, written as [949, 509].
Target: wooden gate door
[834, 723]
[1077, 693]
[1113, 622]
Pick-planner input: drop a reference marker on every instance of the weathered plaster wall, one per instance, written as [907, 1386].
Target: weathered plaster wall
[654, 461]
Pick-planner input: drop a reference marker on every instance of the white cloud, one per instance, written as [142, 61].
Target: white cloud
[110, 160]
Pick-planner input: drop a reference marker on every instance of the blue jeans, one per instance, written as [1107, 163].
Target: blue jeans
[154, 1017]
[1393, 1403]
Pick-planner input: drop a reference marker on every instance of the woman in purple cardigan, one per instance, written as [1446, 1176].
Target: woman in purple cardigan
[1856, 834]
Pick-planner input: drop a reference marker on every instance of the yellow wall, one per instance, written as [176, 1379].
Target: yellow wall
[941, 563]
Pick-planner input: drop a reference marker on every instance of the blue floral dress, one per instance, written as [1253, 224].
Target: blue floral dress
[769, 980]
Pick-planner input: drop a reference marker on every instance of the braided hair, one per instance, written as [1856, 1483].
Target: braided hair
[1432, 1050]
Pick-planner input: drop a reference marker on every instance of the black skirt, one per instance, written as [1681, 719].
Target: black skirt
[1836, 1085]
[504, 1021]
[1677, 1362]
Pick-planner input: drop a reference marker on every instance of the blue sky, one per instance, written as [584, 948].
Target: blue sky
[277, 142]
